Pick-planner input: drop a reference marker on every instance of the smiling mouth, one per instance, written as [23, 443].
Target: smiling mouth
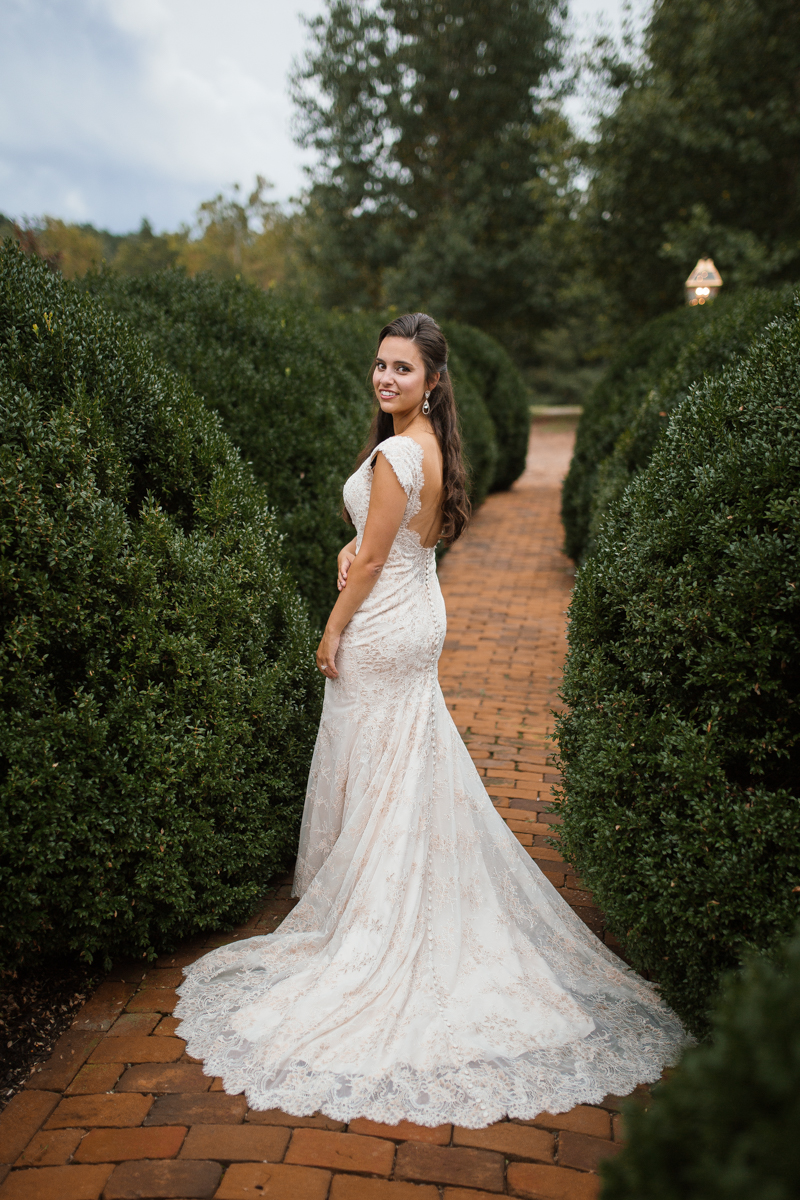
[387, 395]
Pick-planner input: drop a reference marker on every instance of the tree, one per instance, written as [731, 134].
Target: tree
[701, 153]
[439, 155]
[237, 236]
[145, 251]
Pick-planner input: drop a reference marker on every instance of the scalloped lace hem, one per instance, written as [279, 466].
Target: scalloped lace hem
[472, 1095]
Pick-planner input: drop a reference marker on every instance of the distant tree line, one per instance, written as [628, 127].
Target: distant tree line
[233, 236]
[448, 177]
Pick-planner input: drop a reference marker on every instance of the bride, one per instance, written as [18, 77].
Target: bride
[430, 972]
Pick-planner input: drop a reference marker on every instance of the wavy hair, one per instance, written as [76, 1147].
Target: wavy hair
[428, 337]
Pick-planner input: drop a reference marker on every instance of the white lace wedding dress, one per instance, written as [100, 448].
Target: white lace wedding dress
[429, 972]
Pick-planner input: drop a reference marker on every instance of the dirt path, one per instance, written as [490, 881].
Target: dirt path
[120, 1112]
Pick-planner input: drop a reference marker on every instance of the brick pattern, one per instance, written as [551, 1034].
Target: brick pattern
[121, 1112]
[506, 587]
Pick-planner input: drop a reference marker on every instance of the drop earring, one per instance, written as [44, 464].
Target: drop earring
[426, 408]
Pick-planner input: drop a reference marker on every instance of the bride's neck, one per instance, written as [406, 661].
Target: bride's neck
[405, 424]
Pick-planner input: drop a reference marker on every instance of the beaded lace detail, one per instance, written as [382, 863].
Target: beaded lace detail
[430, 972]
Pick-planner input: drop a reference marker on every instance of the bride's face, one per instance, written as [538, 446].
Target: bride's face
[399, 376]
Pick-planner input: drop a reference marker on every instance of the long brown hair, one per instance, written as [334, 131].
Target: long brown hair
[423, 330]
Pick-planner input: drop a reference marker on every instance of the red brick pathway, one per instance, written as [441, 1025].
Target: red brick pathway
[120, 1111]
[506, 586]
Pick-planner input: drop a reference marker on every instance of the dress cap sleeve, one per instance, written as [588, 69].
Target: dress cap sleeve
[404, 456]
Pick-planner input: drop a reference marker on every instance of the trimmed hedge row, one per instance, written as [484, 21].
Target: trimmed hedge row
[608, 410]
[478, 433]
[724, 1125]
[289, 383]
[727, 331]
[681, 746]
[286, 395]
[158, 697]
[504, 394]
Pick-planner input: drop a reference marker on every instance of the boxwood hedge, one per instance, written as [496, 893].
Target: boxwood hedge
[283, 388]
[504, 394]
[158, 698]
[728, 330]
[478, 435]
[680, 746]
[724, 1125]
[289, 382]
[610, 407]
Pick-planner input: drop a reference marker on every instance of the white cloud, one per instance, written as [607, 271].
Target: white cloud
[113, 109]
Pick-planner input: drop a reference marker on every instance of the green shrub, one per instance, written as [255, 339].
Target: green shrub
[478, 436]
[609, 409]
[724, 1126]
[727, 331]
[504, 394]
[158, 697]
[680, 749]
[283, 388]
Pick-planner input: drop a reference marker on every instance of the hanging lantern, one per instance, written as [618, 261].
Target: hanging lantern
[703, 283]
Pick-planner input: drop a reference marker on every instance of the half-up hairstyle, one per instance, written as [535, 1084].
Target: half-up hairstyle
[428, 337]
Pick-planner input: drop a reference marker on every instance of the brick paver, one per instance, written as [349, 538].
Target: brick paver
[506, 587]
[119, 1111]
[21, 1119]
[119, 1145]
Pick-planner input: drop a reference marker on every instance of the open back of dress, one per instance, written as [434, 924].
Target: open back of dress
[430, 972]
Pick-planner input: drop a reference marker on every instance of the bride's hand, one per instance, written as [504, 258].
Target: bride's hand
[346, 557]
[326, 654]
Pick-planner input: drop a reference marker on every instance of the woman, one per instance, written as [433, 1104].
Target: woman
[429, 972]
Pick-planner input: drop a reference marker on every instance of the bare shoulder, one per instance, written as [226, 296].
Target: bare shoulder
[427, 441]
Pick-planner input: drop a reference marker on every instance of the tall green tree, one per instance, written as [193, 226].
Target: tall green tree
[439, 158]
[700, 153]
[145, 251]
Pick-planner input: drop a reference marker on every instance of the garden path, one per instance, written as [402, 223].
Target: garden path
[120, 1112]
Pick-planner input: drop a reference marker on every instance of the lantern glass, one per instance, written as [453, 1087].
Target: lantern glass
[703, 283]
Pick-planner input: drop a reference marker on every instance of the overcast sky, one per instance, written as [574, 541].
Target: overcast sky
[111, 110]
